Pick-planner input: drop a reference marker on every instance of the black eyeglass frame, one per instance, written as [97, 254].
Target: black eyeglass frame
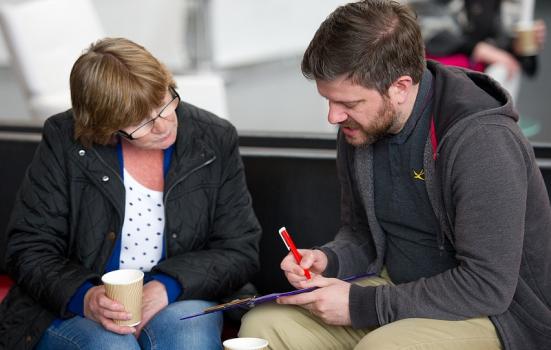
[129, 136]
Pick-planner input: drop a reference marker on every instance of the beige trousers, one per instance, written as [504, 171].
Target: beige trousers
[291, 327]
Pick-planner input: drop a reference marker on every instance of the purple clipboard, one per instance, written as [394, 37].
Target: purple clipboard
[248, 303]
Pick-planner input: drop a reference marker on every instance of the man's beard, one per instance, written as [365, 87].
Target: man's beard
[386, 118]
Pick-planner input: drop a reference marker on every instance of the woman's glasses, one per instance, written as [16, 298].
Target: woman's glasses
[166, 113]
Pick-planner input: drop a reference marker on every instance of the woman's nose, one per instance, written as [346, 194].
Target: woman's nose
[161, 125]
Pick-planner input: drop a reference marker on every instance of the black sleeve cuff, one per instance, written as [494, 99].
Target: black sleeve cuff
[361, 305]
[332, 269]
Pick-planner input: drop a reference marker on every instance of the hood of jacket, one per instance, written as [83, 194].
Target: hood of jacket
[461, 94]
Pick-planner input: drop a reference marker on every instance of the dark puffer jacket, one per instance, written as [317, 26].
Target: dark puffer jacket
[70, 210]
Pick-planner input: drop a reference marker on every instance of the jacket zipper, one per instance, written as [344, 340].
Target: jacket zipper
[117, 229]
[181, 179]
[441, 236]
[185, 176]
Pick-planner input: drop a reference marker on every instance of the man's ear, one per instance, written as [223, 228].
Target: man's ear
[400, 89]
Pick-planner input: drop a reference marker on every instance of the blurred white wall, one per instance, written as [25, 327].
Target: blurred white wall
[255, 45]
[4, 56]
[240, 31]
[158, 25]
[248, 31]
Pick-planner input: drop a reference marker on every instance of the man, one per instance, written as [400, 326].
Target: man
[441, 198]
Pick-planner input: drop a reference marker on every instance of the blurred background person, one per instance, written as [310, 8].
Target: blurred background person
[479, 35]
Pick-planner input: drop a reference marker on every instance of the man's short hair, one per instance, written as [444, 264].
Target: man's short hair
[115, 83]
[371, 42]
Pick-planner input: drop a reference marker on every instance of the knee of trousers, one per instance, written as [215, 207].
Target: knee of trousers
[393, 336]
[268, 319]
[101, 339]
[380, 341]
[416, 333]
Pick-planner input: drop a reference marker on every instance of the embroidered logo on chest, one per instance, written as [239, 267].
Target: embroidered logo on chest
[419, 175]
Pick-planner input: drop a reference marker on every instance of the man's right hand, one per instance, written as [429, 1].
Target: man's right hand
[312, 259]
[98, 307]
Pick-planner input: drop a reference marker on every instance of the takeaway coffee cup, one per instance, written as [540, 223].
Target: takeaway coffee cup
[245, 344]
[126, 286]
[525, 43]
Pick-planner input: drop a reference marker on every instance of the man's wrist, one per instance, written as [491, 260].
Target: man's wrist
[332, 266]
[362, 307]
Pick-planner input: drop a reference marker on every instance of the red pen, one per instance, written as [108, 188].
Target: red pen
[286, 237]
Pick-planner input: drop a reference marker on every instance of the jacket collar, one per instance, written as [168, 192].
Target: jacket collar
[190, 149]
[101, 165]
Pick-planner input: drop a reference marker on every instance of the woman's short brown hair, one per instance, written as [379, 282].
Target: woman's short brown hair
[115, 83]
[372, 42]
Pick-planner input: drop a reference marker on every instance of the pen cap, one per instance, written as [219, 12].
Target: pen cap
[285, 237]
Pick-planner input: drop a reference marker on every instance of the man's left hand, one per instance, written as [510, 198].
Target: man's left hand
[329, 302]
[154, 299]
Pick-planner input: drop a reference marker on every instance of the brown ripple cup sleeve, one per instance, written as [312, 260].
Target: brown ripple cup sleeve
[524, 43]
[126, 287]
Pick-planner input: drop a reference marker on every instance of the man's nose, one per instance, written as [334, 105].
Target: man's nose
[336, 114]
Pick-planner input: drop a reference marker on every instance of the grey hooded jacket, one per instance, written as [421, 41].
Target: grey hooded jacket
[490, 198]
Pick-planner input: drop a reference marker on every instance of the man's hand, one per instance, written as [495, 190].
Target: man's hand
[98, 307]
[154, 300]
[314, 260]
[329, 302]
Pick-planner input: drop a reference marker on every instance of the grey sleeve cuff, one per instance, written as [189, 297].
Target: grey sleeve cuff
[332, 269]
[361, 305]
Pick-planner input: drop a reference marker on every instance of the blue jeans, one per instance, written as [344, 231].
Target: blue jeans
[164, 331]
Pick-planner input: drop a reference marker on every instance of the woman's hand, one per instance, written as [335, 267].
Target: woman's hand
[312, 259]
[98, 307]
[154, 299]
[540, 31]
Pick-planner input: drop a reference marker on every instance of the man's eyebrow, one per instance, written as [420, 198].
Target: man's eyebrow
[352, 102]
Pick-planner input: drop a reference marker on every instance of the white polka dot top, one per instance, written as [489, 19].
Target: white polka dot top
[142, 230]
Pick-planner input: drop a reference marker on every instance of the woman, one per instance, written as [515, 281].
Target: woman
[131, 177]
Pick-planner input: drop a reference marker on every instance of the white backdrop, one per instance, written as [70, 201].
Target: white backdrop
[242, 31]
[257, 44]
[248, 31]
[158, 25]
